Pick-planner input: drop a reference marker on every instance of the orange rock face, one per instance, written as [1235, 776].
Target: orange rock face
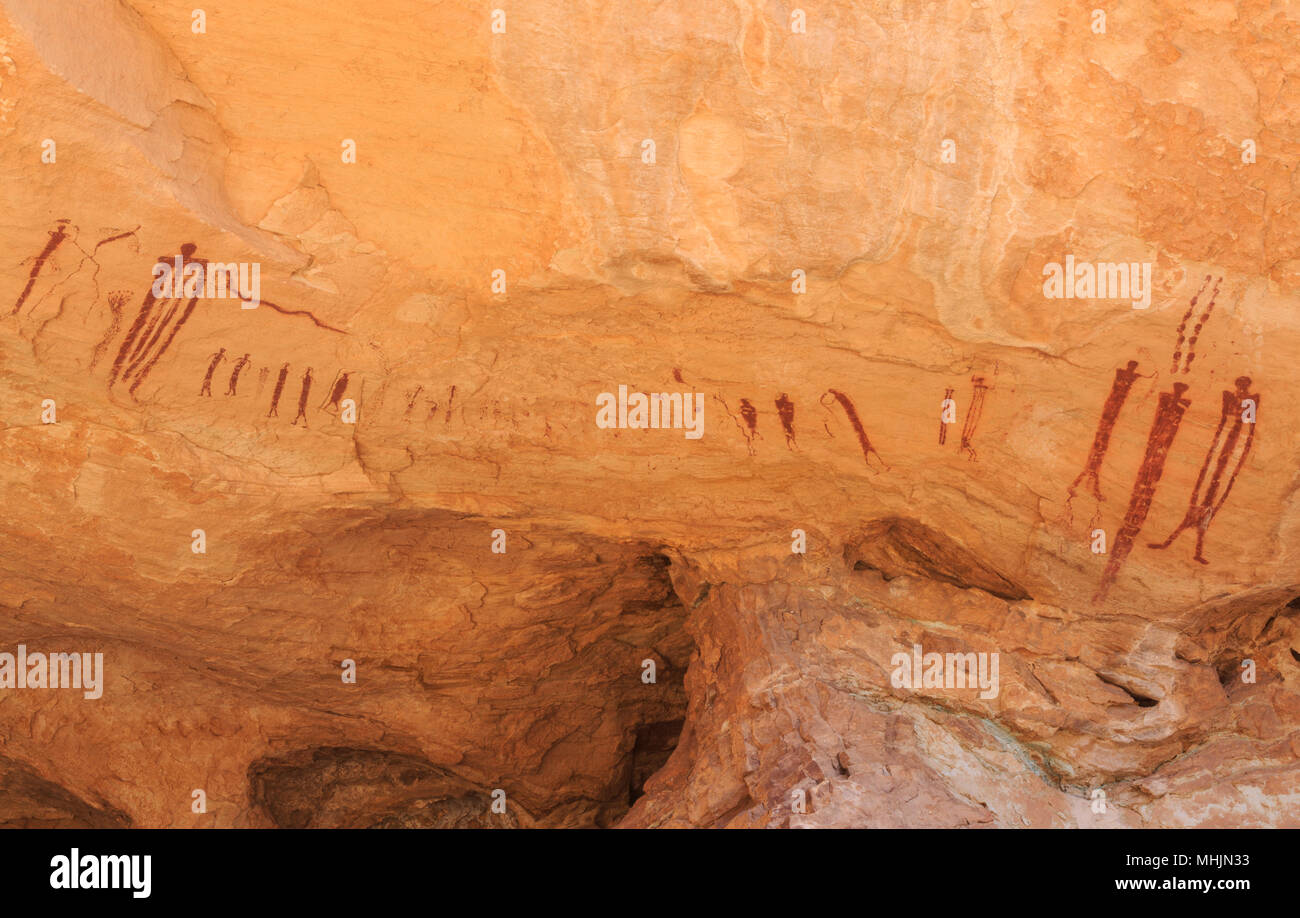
[674, 415]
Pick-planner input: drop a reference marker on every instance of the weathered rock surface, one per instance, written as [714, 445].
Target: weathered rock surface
[504, 249]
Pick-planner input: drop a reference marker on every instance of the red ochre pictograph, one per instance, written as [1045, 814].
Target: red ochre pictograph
[1169, 416]
[1224, 449]
[973, 414]
[867, 449]
[1124, 378]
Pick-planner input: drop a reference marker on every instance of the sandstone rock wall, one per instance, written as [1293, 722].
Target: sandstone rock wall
[836, 224]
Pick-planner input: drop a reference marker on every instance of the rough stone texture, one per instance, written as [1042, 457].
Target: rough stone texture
[775, 151]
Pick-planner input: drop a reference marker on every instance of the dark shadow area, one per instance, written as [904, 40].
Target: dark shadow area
[897, 547]
[28, 801]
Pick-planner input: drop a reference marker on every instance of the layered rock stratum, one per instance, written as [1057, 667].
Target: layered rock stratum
[430, 581]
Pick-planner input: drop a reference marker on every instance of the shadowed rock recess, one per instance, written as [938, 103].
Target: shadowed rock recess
[334, 493]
